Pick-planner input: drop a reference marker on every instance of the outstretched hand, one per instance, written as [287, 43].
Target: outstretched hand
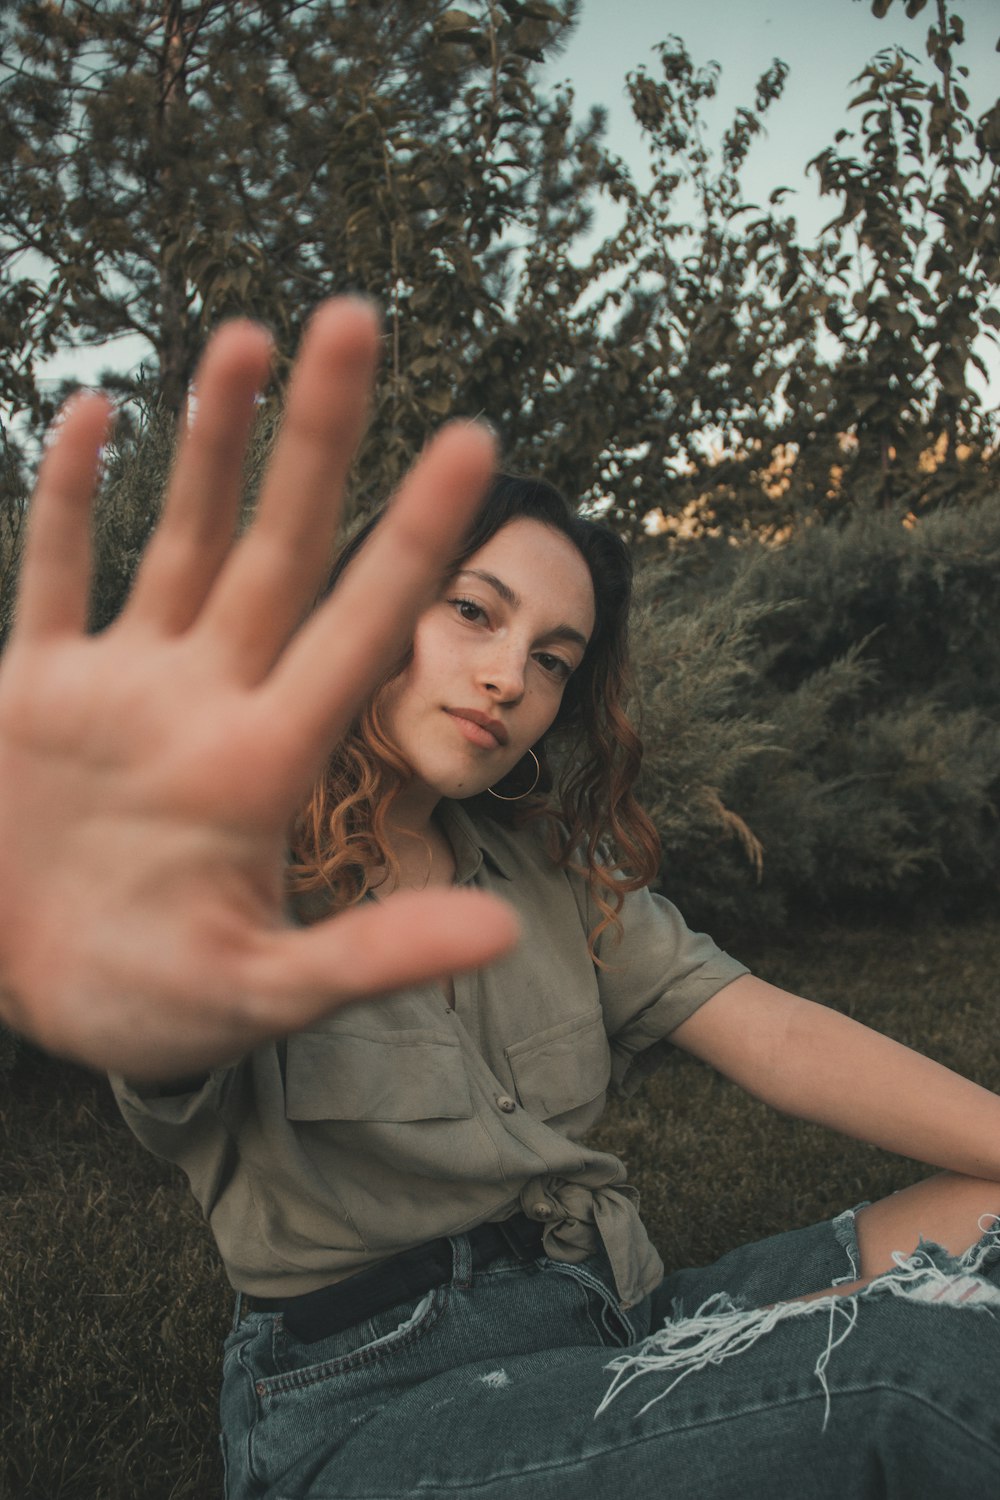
[148, 774]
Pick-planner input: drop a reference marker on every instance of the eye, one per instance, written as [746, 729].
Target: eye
[468, 609]
[553, 665]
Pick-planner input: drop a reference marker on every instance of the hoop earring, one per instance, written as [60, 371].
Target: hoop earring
[538, 771]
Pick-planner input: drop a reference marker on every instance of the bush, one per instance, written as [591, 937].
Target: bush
[822, 721]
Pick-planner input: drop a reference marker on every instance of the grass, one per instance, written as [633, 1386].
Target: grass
[113, 1306]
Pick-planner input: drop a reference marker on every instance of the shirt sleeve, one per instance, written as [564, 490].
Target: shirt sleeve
[651, 978]
[189, 1128]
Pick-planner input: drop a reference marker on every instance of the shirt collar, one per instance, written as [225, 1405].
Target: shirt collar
[472, 842]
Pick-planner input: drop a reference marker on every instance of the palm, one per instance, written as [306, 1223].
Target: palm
[149, 774]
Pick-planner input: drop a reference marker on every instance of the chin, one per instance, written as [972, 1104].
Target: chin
[462, 791]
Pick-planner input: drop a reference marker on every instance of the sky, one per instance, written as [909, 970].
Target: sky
[825, 42]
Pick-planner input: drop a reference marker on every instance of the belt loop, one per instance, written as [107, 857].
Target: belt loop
[238, 1311]
[461, 1261]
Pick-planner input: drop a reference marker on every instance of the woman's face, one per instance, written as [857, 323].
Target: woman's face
[491, 658]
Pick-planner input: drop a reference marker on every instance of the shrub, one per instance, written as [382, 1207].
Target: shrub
[822, 721]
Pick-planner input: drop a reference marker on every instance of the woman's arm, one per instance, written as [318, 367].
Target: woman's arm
[148, 774]
[816, 1064]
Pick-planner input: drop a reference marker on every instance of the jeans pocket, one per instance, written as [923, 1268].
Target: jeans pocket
[369, 1343]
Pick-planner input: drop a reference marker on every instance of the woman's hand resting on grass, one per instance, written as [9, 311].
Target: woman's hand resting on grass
[148, 774]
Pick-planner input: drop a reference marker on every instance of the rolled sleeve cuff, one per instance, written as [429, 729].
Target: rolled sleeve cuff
[644, 1044]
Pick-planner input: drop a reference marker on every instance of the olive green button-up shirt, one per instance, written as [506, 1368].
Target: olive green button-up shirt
[402, 1120]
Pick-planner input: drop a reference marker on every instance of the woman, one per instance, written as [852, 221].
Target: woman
[435, 1273]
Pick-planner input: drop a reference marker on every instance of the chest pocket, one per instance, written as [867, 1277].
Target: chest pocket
[559, 1069]
[416, 1074]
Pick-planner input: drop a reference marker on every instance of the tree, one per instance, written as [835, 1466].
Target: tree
[754, 380]
[912, 267]
[165, 164]
[168, 162]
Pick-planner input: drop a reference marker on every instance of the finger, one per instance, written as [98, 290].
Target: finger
[360, 630]
[202, 505]
[412, 938]
[273, 576]
[54, 590]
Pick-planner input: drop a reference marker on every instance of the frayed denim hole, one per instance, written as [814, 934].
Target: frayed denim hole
[845, 1231]
[933, 1275]
[984, 1255]
[718, 1331]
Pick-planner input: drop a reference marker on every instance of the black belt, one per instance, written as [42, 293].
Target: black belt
[331, 1309]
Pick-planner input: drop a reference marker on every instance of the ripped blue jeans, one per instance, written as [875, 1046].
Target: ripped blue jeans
[527, 1381]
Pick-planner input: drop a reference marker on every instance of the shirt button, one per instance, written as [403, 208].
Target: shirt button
[506, 1103]
[542, 1210]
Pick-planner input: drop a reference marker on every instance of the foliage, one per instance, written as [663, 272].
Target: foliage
[699, 361]
[910, 267]
[167, 166]
[822, 722]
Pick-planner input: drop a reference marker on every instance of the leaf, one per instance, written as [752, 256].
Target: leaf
[879, 7]
[456, 20]
[539, 11]
[439, 402]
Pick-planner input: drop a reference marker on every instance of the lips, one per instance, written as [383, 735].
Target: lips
[492, 727]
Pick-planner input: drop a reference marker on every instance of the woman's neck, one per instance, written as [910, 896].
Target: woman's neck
[418, 844]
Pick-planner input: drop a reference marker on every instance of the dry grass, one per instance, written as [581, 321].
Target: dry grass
[113, 1305]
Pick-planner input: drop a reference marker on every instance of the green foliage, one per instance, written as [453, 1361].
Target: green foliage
[134, 479]
[13, 513]
[911, 264]
[162, 167]
[823, 722]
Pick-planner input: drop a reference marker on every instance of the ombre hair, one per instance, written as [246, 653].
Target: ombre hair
[589, 758]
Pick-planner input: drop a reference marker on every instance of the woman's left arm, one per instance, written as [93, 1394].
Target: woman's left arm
[817, 1064]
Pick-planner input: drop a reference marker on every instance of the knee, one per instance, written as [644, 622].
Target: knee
[948, 1209]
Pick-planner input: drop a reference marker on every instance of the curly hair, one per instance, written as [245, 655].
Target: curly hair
[589, 758]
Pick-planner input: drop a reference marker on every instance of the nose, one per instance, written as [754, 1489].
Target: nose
[502, 673]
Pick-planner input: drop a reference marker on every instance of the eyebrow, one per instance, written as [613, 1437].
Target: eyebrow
[507, 594]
